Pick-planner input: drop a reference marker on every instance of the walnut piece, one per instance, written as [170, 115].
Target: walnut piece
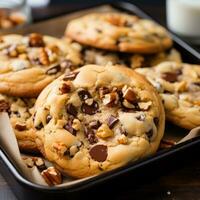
[104, 131]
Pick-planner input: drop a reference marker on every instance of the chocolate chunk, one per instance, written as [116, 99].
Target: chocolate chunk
[4, 106]
[53, 70]
[90, 109]
[171, 76]
[20, 127]
[40, 126]
[71, 109]
[36, 40]
[99, 153]
[149, 133]
[65, 88]
[196, 83]
[112, 120]
[70, 76]
[48, 118]
[90, 135]
[95, 124]
[84, 94]
[122, 131]
[69, 128]
[141, 117]
[156, 121]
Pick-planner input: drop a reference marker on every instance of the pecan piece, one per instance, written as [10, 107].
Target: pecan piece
[43, 57]
[52, 176]
[36, 40]
[111, 99]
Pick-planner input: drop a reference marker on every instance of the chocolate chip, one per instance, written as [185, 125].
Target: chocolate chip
[4, 106]
[99, 153]
[53, 70]
[40, 126]
[48, 118]
[20, 127]
[69, 128]
[70, 76]
[112, 120]
[95, 124]
[171, 76]
[65, 88]
[90, 109]
[141, 117]
[149, 133]
[71, 109]
[84, 94]
[156, 121]
[90, 135]
[196, 83]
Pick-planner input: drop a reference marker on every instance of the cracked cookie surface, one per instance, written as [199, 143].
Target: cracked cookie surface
[97, 119]
[29, 63]
[179, 87]
[20, 112]
[119, 32]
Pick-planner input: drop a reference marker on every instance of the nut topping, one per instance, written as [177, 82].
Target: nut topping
[127, 104]
[52, 176]
[4, 106]
[43, 57]
[36, 40]
[99, 153]
[59, 148]
[70, 76]
[103, 91]
[65, 88]
[144, 105]
[104, 131]
[112, 120]
[122, 139]
[111, 99]
[73, 150]
[76, 125]
[129, 94]
[20, 127]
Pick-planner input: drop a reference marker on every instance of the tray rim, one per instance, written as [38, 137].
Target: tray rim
[129, 7]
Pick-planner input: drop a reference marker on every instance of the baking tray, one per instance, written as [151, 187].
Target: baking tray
[125, 177]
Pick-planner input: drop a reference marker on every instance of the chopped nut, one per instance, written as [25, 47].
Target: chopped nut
[104, 131]
[4, 106]
[53, 70]
[144, 105]
[39, 163]
[89, 101]
[66, 87]
[20, 127]
[73, 150]
[43, 57]
[28, 161]
[76, 124]
[111, 99]
[126, 104]
[103, 91]
[21, 48]
[36, 40]
[122, 139]
[52, 176]
[129, 94]
[59, 148]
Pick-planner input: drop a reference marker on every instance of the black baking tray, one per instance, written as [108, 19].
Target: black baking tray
[124, 178]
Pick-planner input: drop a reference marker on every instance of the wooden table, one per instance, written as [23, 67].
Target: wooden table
[182, 183]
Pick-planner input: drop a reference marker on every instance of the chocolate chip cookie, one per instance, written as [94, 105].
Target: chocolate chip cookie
[20, 112]
[29, 63]
[102, 57]
[119, 32]
[179, 87]
[97, 119]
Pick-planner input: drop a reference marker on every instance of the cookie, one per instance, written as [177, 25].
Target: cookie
[101, 57]
[29, 63]
[20, 112]
[119, 32]
[97, 119]
[179, 87]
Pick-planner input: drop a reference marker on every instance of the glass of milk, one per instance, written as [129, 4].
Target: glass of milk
[183, 18]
